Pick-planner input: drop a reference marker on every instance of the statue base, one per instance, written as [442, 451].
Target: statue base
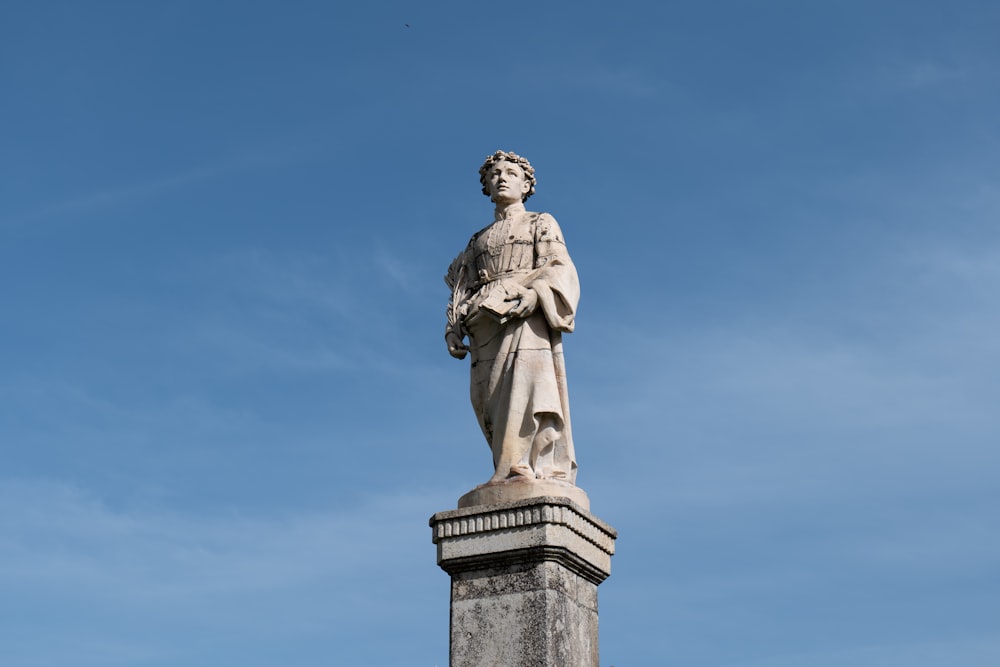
[524, 577]
[522, 488]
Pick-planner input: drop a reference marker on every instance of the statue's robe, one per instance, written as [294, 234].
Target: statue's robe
[518, 385]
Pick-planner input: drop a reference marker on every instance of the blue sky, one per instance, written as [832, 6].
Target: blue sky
[227, 407]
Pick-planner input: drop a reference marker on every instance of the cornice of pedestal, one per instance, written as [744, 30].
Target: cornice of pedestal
[524, 532]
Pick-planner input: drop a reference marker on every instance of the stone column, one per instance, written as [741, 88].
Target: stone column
[524, 577]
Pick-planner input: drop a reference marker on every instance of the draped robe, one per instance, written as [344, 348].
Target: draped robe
[518, 375]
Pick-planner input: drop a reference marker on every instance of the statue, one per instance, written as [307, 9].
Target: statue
[514, 292]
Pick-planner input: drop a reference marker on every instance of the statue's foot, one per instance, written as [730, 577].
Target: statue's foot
[558, 475]
[521, 471]
[515, 472]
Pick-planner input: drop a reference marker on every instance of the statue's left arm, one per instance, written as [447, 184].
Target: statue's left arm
[554, 279]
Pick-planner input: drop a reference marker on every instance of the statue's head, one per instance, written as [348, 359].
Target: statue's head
[513, 158]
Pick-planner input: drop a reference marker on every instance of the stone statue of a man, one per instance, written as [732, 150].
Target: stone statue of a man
[514, 292]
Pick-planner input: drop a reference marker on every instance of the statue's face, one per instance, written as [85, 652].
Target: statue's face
[507, 183]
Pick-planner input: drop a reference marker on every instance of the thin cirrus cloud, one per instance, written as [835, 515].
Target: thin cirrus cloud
[137, 191]
[59, 534]
[135, 571]
[974, 650]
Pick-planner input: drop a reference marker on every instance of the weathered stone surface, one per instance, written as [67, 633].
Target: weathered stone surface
[524, 579]
[526, 615]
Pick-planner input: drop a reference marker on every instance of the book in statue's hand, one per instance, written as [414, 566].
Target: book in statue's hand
[497, 305]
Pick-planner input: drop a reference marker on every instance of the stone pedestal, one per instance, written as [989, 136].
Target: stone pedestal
[524, 577]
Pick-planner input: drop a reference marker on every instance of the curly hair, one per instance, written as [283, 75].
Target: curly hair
[499, 156]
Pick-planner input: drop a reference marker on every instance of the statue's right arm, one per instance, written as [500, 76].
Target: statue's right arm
[456, 347]
[453, 333]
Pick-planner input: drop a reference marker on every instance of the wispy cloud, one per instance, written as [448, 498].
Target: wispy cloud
[251, 348]
[923, 75]
[62, 535]
[163, 586]
[133, 191]
[157, 185]
[971, 650]
[95, 419]
[299, 279]
[793, 406]
[273, 311]
[400, 272]
[305, 311]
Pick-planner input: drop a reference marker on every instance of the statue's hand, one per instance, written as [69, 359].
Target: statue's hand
[455, 346]
[527, 302]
